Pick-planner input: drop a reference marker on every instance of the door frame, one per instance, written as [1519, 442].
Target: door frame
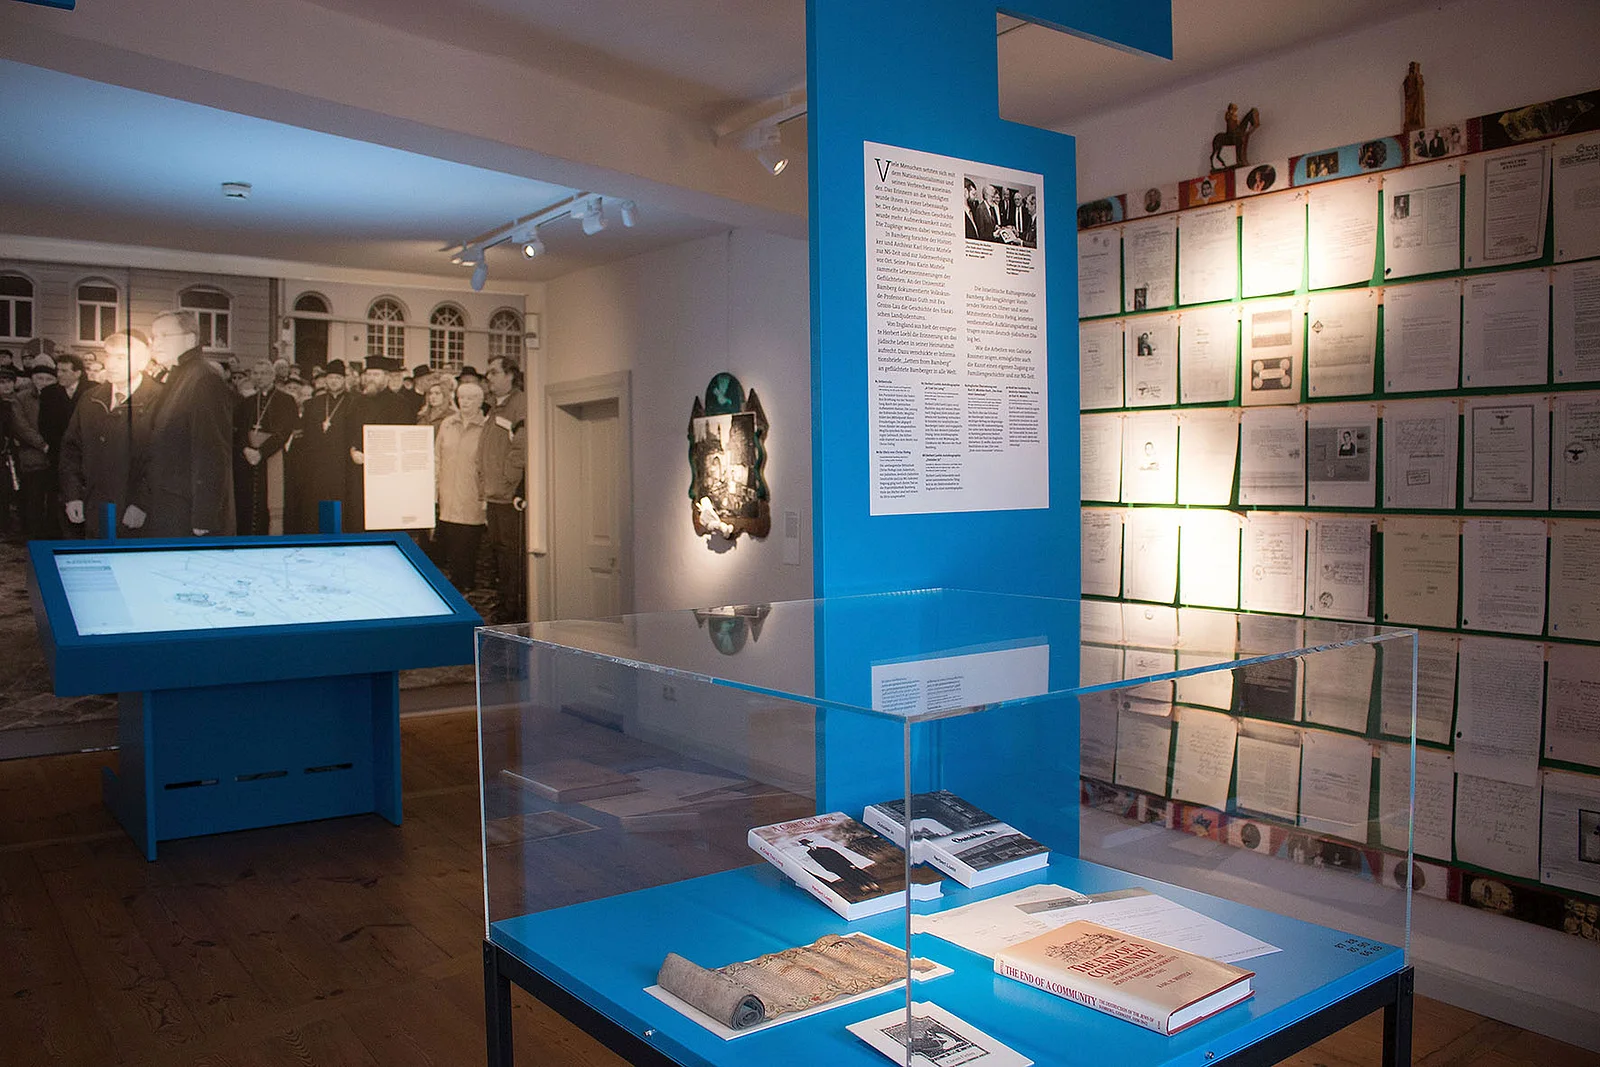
[616, 386]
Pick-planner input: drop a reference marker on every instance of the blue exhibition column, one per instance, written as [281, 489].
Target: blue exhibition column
[923, 76]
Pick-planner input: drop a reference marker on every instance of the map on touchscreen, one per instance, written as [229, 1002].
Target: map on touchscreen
[173, 589]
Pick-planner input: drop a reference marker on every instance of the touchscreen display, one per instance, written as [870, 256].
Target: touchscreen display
[130, 591]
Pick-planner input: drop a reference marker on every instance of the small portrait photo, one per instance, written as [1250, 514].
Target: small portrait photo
[1400, 206]
[1588, 835]
[1145, 347]
[1141, 298]
[1372, 155]
[1322, 165]
[1152, 201]
[1261, 178]
[1347, 442]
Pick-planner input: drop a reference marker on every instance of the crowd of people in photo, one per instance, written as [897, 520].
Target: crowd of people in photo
[180, 442]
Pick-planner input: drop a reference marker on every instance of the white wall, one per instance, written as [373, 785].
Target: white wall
[1477, 56]
[674, 318]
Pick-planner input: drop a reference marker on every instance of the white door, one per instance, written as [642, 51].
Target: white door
[588, 482]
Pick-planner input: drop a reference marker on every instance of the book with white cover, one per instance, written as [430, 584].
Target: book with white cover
[1156, 986]
[958, 837]
[843, 864]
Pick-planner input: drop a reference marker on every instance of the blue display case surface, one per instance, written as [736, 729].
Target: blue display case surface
[258, 676]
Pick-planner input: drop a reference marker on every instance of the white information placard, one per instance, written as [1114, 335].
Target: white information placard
[397, 473]
[957, 388]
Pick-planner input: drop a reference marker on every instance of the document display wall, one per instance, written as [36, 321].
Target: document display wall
[674, 859]
[1376, 400]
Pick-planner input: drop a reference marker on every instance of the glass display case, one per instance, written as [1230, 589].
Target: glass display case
[1139, 834]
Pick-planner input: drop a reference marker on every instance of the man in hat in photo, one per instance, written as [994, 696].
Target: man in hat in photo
[262, 423]
[47, 409]
[11, 516]
[109, 434]
[324, 464]
[185, 483]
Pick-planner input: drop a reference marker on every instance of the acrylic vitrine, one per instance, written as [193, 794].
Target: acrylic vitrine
[690, 823]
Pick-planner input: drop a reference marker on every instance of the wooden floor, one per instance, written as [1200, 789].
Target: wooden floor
[341, 942]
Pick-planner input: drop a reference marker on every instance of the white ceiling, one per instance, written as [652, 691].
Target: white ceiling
[90, 161]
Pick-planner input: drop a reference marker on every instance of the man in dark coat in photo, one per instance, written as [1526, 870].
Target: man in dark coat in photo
[109, 434]
[324, 463]
[184, 485]
[262, 424]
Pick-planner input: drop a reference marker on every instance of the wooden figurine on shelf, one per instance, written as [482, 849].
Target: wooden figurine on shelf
[1415, 109]
[1236, 132]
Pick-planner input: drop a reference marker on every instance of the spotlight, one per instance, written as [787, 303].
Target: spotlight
[480, 274]
[593, 220]
[630, 213]
[767, 143]
[469, 256]
[533, 247]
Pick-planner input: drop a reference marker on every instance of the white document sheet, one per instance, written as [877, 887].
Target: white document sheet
[1575, 579]
[1269, 778]
[1205, 638]
[1575, 452]
[1501, 709]
[1272, 243]
[1503, 572]
[1208, 265]
[1150, 264]
[1271, 339]
[1575, 197]
[1339, 681]
[1272, 457]
[1099, 272]
[1422, 336]
[1152, 361]
[1497, 824]
[1421, 571]
[1098, 665]
[1208, 354]
[1102, 551]
[1421, 220]
[1341, 343]
[1270, 690]
[1273, 568]
[1569, 850]
[1100, 456]
[1421, 443]
[1436, 687]
[1435, 800]
[1575, 321]
[1342, 455]
[1097, 732]
[989, 926]
[1100, 365]
[1150, 458]
[1101, 621]
[1149, 626]
[1208, 451]
[1143, 745]
[887, 1034]
[1150, 697]
[1339, 569]
[1203, 759]
[1208, 559]
[1508, 196]
[1572, 705]
[398, 477]
[1150, 555]
[1507, 453]
[1505, 329]
[1342, 232]
[1335, 784]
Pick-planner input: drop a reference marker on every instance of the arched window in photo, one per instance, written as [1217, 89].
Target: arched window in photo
[214, 309]
[386, 331]
[505, 334]
[98, 301]
[447, 338]
[311, 334]
[16, 307]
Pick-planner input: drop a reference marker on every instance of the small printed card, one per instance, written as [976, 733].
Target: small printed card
[936, 1039]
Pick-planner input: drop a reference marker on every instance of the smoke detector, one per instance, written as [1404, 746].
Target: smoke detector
[236, 190]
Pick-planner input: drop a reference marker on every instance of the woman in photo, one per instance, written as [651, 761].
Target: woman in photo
[436, 405]
[463, 517]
